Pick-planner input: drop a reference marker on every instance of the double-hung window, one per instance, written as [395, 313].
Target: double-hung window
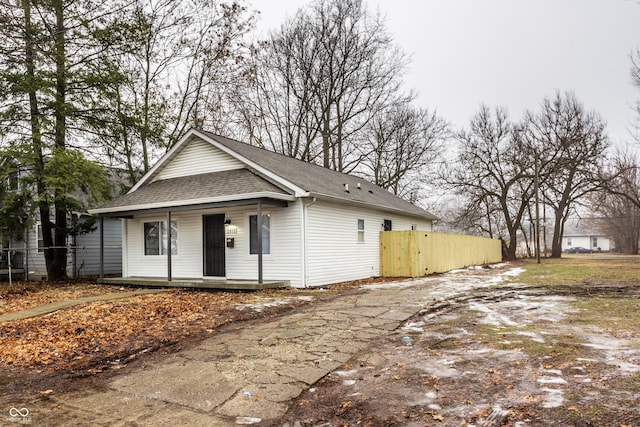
[266, 234]
[155, 238]
[361, 231]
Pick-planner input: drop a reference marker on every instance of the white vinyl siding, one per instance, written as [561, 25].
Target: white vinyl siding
[333, 254]
[198, 157]
[334, 251]
[186, 264]
[283, 263]
[586, 242]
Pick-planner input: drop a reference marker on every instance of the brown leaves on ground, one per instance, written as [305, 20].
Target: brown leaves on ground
[92, 336]
[21, 296]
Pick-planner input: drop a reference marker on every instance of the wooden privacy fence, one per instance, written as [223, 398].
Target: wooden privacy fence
[418, 253]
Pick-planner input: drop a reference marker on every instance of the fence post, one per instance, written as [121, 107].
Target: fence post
[101, 247]
[9, 263]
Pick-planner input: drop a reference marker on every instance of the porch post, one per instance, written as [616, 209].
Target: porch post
[259, 227]
[169, 246]
[101, 247]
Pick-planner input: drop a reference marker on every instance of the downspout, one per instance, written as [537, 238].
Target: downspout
[74, 245]
[305, 233]
[123, 247]
[169, 245]
[259, 227]
[101, 247]
[74, 259]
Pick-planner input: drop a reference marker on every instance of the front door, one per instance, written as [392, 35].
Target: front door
[214, 245]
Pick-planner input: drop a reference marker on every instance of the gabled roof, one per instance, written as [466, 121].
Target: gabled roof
[580, 228]
[280, 176]
[206, 188]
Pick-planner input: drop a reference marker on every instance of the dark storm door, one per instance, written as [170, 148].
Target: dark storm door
[214, 245]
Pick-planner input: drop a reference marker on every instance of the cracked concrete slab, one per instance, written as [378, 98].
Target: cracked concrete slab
[250, 371]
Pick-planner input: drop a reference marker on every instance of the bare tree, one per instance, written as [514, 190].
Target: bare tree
[570, 144]
[617, 206]
[175, 70]
[402, 146]
[321, 78]
[635, 78]
[494, 175]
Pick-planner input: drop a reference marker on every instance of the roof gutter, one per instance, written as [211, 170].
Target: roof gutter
[427, 215]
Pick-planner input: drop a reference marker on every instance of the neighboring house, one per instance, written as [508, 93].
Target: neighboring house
[578, 234]
[215, 208]
[83, 259]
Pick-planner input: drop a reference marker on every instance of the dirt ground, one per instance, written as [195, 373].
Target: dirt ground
[485, 350]
[86, 345]
[493, 355]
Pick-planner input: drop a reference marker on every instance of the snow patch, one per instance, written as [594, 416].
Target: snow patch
[263, 302]
[346, 373]
[554, 398]
[514, 272]
[618, 352]
[551, 380]
[534, 336]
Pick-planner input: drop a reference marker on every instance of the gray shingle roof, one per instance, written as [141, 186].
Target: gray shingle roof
[195, 187]
[322, 182]
[315, 180]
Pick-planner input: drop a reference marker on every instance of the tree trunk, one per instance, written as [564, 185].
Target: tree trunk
[509, 254]
[36, 138]
[556, 241]
[57, 267]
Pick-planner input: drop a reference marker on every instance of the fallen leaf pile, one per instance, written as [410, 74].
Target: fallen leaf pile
[21, 296]
[92, 336]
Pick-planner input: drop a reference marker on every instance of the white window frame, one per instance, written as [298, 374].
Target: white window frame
[39, 237]
[361, 228]
[269, 233]
[162, 238]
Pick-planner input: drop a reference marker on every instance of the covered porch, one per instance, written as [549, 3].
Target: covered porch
[214, 241]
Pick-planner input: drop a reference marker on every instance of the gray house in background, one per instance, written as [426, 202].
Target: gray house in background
[83, 260]
[26, 253]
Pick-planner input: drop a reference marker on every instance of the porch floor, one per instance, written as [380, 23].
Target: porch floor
[236, 285]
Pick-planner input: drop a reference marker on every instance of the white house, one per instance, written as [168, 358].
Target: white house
[578, 234]
[217, 209]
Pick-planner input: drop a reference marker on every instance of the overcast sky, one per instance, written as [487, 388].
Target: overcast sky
[511, 53]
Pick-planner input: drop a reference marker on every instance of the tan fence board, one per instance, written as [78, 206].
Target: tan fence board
[415, 253]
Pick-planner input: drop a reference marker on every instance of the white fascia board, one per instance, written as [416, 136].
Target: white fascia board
[380, 208]
[193, 202]
[298, 191]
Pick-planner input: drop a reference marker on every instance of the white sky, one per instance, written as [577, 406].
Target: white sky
[511, 53]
